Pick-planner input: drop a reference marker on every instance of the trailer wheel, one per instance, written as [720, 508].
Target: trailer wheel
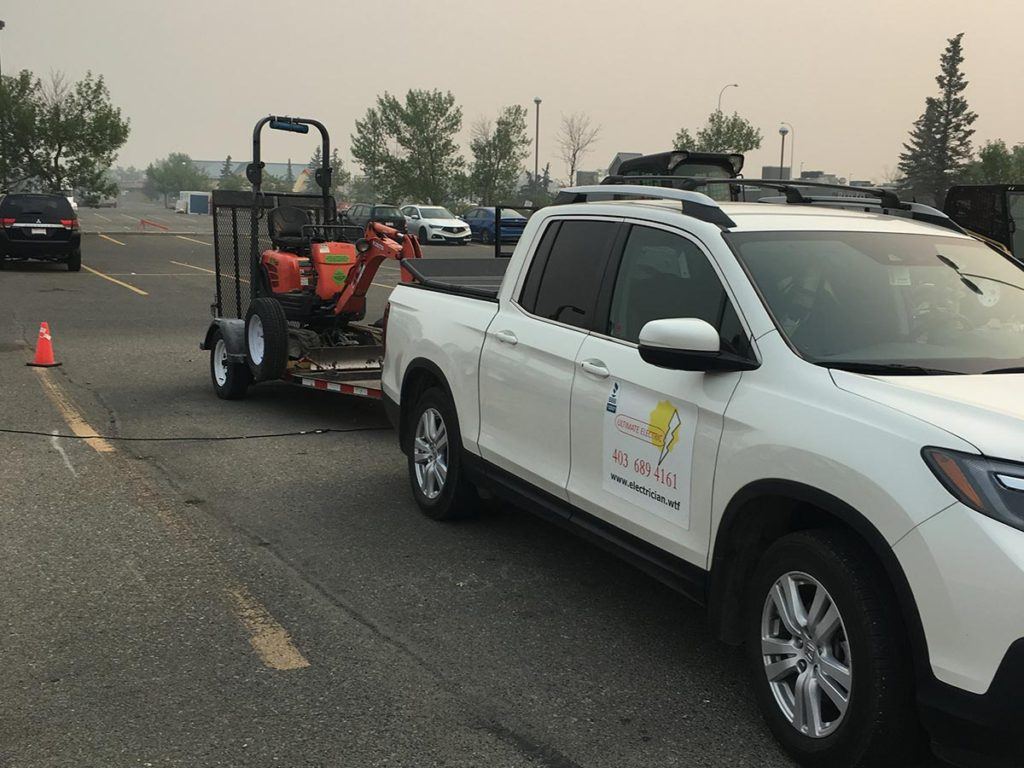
[266, 339]
[230, 380]
[435, 459]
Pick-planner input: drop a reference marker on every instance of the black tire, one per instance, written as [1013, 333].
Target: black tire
[880, 726]
[75, 261]
[232, 380]
[485, 236]
[266, 322]
[423, 236]
[457, 498]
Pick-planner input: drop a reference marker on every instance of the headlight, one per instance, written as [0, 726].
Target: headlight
[990, 486]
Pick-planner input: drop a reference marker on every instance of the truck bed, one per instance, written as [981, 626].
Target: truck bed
[476, 278]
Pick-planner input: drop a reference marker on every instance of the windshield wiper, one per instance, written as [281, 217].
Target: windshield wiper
[1011, 369]
[895, 369]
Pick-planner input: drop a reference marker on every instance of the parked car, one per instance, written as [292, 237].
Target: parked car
[805, 415]
[481, 224]
[995, 211]
[360, 214]
[433, 224]
[42, 227]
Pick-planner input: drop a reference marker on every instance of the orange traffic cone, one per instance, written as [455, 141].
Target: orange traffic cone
[44, 349]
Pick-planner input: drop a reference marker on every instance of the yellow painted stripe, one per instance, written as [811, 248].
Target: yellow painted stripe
[70, 414]
[204, 269]
[192, 240]
[381, 285]
[111, 239]
[115, 280]
[269, 639]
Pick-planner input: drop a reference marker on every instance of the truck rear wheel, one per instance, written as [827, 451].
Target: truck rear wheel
[230, 380]
[435, 459]
[266, 339]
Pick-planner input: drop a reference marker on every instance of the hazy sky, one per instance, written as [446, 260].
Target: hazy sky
[850, 76]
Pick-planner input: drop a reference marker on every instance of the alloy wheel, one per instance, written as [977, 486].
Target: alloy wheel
[806, 654]
[430, 453]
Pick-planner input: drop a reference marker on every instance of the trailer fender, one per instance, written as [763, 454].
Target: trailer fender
[233, 331]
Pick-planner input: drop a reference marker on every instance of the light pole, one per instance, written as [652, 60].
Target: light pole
[783, 130]
[3, 128]
[792, 144]
[536, 142]
[730, 85]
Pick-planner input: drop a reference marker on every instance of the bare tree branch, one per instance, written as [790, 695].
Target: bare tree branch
[575, 137]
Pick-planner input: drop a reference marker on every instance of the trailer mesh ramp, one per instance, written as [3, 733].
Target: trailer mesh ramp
[240, 235]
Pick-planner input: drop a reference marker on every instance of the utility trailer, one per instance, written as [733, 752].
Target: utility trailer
[291, 285]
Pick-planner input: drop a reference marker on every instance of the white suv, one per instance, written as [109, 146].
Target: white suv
[807, 415]
[434, 224]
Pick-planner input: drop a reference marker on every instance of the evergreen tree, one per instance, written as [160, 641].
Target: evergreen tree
[940, 142]
[289, 176]
[228, 178]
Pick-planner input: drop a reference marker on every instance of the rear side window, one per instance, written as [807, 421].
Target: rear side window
[385, 211]
[567, 271]
[44, 207]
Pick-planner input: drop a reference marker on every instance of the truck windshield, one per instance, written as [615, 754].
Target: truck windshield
[890, 303]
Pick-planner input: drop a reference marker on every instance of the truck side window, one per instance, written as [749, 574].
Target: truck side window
[567, 269]
[663, 275]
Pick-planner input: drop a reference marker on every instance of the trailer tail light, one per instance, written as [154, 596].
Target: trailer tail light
[7, 222]
[69, 223]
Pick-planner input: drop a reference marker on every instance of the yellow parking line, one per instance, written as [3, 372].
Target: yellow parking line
[204, 269]
[70, 414]
[192, 240]
[268, 638]
[115, 280]
[382, 285]
[111, 239]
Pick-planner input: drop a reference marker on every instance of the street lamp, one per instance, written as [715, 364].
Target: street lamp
[792, 144]
[536, 142]
[730, 85]
[3, 128]
[783, 130]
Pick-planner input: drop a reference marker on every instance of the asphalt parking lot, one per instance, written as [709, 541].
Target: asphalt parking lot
[134, 217]
[281, 601]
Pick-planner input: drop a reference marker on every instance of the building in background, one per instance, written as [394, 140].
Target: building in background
[584, 178]
[774, 172]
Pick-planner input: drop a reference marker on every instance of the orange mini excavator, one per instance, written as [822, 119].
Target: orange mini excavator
[307, 286]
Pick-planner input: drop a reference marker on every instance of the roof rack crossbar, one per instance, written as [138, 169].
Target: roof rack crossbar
[695, 204]
[789, 187]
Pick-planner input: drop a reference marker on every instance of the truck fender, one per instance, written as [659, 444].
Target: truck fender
[233, 331]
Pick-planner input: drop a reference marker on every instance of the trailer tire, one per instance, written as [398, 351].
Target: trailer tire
[436, 475]
[266, 339]
[230, 380]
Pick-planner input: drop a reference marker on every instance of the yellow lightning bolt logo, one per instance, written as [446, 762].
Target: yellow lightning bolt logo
[665, 423]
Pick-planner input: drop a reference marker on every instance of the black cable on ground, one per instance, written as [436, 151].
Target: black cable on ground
[193, 438]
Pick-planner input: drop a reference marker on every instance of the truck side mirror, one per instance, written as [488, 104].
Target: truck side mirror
[687, 344]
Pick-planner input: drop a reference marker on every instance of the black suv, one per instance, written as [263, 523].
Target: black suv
[362, 213]
[40, 227]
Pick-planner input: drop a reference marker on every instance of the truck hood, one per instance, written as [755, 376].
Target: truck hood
[985, 410]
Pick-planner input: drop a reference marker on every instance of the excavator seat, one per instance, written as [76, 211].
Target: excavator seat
[285, 224]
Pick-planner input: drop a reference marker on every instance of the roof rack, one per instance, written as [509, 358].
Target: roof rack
[695, 204]
[884, 201]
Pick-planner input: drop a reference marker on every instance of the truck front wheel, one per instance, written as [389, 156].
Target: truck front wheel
[435, 459]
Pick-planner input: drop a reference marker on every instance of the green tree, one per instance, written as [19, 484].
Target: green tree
[939, 147]
[340, 178]
[996, 164]
[289, 176]
[721, 133]
[172, 175]
[498, 153]
[408, 148]
[228, 178]
[60, 134]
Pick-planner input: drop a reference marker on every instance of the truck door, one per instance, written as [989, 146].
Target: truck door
[529, 353]
[645, 439]
[1015, 208]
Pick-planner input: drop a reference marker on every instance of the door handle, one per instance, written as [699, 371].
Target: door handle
[595, 368]
[507, 337]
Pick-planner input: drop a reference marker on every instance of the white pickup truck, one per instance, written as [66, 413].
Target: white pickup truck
[806, 415]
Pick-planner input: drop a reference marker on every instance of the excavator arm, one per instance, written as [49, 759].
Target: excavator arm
[379, 243]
